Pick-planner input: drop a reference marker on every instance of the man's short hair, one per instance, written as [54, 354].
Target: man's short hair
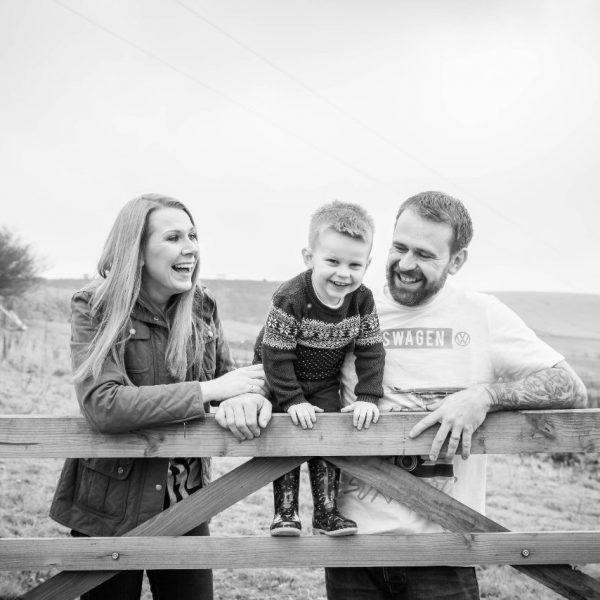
[442, 208]
[344, 217]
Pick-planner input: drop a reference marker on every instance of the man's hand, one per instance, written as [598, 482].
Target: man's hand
[459, 415]
[304, 414]
[244, 415]
[364, 413]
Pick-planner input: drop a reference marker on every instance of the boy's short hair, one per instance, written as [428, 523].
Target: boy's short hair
[442, 208]
[344, 217]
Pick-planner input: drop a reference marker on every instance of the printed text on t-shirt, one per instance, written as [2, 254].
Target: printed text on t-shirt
[417, 337]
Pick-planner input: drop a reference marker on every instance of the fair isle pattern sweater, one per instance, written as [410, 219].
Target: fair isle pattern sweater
[305, 340]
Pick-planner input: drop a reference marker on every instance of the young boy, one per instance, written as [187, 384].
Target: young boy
[314, 320]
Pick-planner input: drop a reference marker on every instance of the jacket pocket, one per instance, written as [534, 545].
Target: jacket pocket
[103, 485]
[138, 350]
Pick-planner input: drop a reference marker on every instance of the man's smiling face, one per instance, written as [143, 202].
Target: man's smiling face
[420, 259]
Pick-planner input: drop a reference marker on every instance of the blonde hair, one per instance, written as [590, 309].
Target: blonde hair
[116, 292]
[345, 218]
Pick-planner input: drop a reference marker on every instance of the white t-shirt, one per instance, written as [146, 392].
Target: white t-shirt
[458, 339]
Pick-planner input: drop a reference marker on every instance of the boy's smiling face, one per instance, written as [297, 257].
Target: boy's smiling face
[339, 263]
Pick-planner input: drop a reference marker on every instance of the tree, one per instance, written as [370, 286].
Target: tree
[18, 265]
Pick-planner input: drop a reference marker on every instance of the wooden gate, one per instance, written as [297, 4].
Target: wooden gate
[472, 539]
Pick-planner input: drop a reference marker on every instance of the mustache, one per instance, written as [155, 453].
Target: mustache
[416, 273]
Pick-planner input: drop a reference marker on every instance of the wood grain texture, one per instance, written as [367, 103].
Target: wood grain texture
[177, 520]
[332, 435]
[503, 432]
[456, 549]
[457, 517]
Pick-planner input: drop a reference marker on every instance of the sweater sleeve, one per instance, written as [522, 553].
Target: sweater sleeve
[279, 353]
[109, 403]
[369, 352]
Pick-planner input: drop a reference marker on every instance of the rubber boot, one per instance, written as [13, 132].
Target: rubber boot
[286, 521]
[325, 481]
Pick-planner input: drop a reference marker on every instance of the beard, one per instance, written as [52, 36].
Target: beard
[417, 295]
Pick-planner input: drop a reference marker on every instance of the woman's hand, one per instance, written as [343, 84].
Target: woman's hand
[246, 380]
[244, 415]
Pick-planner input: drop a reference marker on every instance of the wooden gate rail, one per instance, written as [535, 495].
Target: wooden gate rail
[456, 549]
[332, 435]
[531, 431]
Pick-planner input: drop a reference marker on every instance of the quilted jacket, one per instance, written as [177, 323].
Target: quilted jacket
[110, 496]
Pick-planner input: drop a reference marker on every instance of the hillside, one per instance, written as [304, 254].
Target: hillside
[557, 314]
[548, 313]
[246, 301]
[242, 300]
[570, 323]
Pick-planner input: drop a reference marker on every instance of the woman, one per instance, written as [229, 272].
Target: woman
[148, 349]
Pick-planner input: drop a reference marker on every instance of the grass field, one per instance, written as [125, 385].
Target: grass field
[524, 492]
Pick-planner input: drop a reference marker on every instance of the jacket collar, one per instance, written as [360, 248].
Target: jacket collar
[146, 312]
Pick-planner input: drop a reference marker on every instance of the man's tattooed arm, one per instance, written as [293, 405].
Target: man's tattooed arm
[461, 413]
[556, 387]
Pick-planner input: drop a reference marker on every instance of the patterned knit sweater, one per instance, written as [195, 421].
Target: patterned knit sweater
[305, 340]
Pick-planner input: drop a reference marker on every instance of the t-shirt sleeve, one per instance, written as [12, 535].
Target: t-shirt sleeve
[516, 350]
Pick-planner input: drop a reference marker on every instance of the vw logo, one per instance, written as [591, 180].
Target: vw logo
[462, 338]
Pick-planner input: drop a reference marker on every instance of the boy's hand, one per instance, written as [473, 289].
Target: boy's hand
[304, 414]
[364, 413]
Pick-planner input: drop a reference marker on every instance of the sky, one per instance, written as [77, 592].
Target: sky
[256, 112]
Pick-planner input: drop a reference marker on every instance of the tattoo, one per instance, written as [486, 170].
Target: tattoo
[551, 388]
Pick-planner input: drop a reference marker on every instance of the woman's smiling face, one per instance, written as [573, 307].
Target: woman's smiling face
[170, 255]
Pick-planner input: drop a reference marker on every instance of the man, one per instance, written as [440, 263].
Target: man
[458, 355]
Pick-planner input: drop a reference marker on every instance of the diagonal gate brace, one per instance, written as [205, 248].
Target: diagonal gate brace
[176, 520]
[456, 516]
